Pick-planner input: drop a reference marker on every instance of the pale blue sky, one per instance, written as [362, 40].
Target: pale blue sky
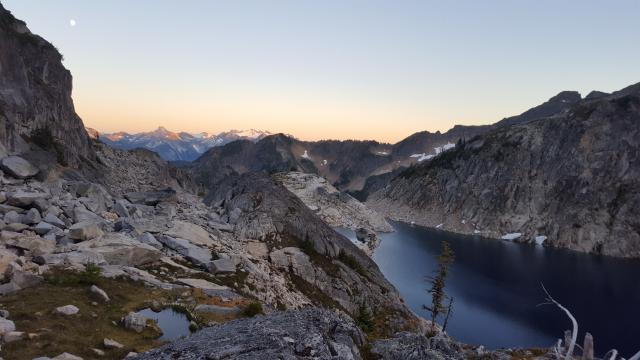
[332, 68]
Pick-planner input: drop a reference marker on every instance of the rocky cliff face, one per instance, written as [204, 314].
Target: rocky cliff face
[572, 179]
[35, 95]
[320, 263]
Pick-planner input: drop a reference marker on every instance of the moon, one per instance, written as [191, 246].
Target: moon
[72, 22]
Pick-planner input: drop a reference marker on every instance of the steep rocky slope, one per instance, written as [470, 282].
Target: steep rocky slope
[322, 264]
[573, 179]
[35, 95]
[334, 207]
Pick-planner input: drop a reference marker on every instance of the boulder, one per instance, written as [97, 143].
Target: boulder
[257, 249]
[8, 288]
[13, 336]
[134, 321]
[54, 220]
[72, 258]
[23, 279]
[218, 310]
[188, 231]
[99, 293]
[112, 344]
[18, 167]
[66, 356]
[43, 228]
[195, 254]
[147, 238]
[81, 214]
[295, 260]
[6, 326]
[31, 242]
[31, 217]
[202, 284]
[67, 310]
[151, 198]
[221, 266]
[120, 208]
[24, 199]
[84, 231]
[16, 227]
[120, 249]
[12, 217]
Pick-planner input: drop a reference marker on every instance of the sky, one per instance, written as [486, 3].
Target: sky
[340, 69]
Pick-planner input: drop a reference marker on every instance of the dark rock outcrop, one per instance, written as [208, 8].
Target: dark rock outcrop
[573, 178]
[35, 96]
[308, 333]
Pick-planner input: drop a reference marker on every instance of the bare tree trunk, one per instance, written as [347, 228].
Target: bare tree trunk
[446, 319]
[587, 349]
[570, 345]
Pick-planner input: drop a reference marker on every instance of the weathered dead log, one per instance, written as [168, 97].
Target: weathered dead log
[570, 343]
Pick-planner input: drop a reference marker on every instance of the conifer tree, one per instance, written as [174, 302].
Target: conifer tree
[438, 295]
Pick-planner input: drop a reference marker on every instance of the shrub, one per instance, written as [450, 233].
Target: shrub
[44, 138]
[364, 319]
[253, 309]
[351, 262]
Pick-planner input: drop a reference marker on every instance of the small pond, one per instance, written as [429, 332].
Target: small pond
[173, 324]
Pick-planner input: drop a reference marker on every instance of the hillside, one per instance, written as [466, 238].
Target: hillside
[572, 179]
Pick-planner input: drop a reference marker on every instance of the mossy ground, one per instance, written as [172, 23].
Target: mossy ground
[32, 311]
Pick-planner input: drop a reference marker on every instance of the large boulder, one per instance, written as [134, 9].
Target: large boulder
[195, 254]
[134, 321]
[31, 217]
[84, 230]
[18, 167]
[295, 260]
[25, 199]
[222, 266]
[30, 242]
[73, 258]
[188, 231]
[6, 326]
[120, 249]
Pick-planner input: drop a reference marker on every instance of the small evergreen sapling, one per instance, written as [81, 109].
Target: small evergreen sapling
[438, 296]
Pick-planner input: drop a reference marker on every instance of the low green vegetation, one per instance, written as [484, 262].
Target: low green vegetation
[253, 309]
[351, 262]
[364, 319]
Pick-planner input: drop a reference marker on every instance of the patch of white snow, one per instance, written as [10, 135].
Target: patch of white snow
[511, 236]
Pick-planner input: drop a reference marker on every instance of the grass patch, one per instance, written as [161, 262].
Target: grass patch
[32, 311]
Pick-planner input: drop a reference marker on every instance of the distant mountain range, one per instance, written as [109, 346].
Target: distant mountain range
[176, 146]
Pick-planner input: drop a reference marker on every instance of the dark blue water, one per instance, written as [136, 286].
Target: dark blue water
[174, 325]
[496, 287]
